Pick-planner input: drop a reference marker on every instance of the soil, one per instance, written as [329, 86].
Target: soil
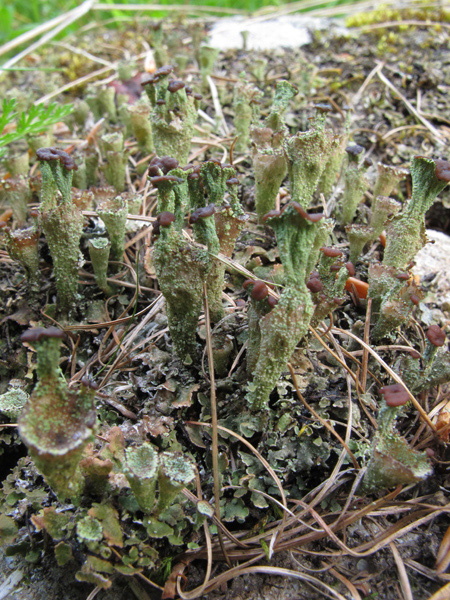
[150, 394]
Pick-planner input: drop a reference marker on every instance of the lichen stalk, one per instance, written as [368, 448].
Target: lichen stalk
[57, 423]
[284, 326]
[113, 213]
[62, 222]
[405, 237]
[355, 184]
[174, 114]
[307, 154]
[99, 250]
[23, 246]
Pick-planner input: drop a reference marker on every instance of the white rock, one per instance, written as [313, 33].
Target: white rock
[434, 259]
[290, 31]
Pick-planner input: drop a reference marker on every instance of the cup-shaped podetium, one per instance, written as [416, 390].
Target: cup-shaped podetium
[141, 471]
[307, 154]
[355, 182]
[175, 473]
[287, 323]
[57, 422]
[16, 193]
[174, 113]
[388, 178]
[269, 164]
[116, 160]
[23, 246]
[99, 249]
[113, 212]
[393, 461]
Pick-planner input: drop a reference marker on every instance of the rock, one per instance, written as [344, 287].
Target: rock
[433, 265]
[289, 31]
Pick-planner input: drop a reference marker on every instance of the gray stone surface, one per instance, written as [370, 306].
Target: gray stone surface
[289, 31]
[433, 263]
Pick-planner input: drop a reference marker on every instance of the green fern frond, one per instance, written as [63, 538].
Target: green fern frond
[36, 119]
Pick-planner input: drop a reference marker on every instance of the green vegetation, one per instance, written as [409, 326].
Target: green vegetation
[18, 16]
[35, 120]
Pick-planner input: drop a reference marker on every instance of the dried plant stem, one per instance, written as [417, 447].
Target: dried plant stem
[404, 581]
[29, 35]
[392, 373]
[70, 18]
[217, 106]
[348, 584]
[168, 7]
[275, 571]
[94, 592]
[436, 134]
[357, 97]
[84, 53]
[387, 24]
[365, 358]
[199, 591]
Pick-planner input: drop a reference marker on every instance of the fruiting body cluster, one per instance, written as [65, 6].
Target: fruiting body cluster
[62, 222]
[174, 114]
[182, 267]
[269, 162]
[307, 154]
[279, 331]
[393, 293]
